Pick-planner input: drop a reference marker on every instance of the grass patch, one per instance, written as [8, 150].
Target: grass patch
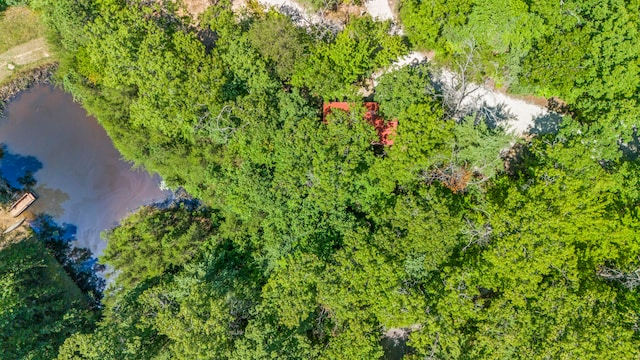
[19, 24]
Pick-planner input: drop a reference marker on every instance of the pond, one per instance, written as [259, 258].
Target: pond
[81, 180]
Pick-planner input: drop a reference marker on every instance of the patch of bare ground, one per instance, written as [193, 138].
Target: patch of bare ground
[395, 8]
[196, 7]
[192, 8]
[344, 12]
[238, 5]
[531, 99]
[430, 54]
[401, 333]
[22, 55]
[7, 221]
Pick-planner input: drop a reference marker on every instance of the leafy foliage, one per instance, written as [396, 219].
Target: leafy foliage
[331, 68]
[585, 52]
[39, 306]
[279, 41]
[315, 242]
[153, 241]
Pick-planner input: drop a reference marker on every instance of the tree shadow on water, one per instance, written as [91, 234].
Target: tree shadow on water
[79, 263]
[17, 169]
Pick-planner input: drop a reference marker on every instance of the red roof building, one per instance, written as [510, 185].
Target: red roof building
[385, 130]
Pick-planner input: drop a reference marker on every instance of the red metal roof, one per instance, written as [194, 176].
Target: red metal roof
[385, 129]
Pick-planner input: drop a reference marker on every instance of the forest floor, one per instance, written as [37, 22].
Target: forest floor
[196, 7]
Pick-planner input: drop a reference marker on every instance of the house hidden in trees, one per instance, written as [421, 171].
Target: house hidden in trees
[22, 204]
[384, 129]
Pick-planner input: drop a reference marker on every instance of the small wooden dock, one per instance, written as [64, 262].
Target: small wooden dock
[22, 204]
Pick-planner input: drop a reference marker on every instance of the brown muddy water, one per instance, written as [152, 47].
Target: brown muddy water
[81, 179]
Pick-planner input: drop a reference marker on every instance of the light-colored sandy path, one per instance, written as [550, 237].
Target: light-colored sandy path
[24, 54]
[523, 113]
[379, 9]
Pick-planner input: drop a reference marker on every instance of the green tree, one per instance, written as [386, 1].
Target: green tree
[39, 305]
[331, 68]
[153, 241]
[280, 42]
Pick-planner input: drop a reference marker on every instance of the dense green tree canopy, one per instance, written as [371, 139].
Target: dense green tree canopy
[39, 305]
[310, 239]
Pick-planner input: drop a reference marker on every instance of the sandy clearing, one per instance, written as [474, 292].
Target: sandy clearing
[519, 117]
[522, 115]
[379, 9]
[24, 54]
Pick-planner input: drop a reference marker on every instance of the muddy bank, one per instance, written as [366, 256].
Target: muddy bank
[24, 81]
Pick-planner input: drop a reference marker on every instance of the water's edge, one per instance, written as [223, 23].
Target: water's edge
[80, 177]
[37, 76]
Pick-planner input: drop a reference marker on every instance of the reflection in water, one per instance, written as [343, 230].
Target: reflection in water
[77, 262]
[81, 179]
[50, 201]
[15, 167]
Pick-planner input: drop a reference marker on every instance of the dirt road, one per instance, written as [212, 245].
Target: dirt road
[21, 55]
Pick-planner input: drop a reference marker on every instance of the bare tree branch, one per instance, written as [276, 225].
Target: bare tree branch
[629, 280]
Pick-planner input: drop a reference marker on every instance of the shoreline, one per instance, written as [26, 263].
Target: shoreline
[23, 81]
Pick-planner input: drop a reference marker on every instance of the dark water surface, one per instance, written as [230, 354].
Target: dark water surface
[80, 178]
